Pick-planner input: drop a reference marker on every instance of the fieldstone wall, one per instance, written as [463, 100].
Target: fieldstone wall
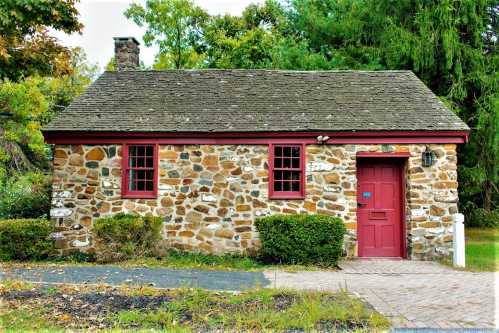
[209, 195]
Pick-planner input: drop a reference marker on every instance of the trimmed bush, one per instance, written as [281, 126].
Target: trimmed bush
[125, 236]
[25, 239]
[301, 239]
[25, 196]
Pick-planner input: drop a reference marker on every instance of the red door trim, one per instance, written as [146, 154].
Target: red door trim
[377, 154]
[403, 171]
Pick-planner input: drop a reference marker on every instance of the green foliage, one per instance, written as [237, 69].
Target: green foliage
[27, 104]
[243, 42]
[31, 104]
[26, 48]
[174, 25]
[126, 236]
[259, 310]
[301, 239]
[25, 239]
[25, 196]
[181, 259]
[479, 217]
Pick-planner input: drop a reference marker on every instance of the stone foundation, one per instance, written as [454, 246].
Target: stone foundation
[209, 195]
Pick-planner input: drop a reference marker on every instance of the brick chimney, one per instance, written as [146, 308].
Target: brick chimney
[126, 53]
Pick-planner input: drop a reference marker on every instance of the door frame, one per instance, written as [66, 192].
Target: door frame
[402, 159]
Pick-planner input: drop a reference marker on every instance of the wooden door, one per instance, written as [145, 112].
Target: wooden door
[379, 202]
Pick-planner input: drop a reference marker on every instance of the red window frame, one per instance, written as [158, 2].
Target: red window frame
[125, 178]
[274, 194]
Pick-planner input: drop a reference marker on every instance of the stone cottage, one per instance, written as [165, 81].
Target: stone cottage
[212, 150]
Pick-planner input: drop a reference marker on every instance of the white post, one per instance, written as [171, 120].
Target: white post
[459, 246]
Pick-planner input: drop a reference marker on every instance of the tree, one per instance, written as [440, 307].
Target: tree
[450, 45]
[176, 26]
[25, 46]
[244, 41]
[31, 103]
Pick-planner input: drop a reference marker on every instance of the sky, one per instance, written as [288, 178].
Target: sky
[104, 19]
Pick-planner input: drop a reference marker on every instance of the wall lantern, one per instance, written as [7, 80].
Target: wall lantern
[428, 157]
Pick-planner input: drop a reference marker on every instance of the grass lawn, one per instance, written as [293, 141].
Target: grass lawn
[183, 260]
[482, 249]
[55, 309]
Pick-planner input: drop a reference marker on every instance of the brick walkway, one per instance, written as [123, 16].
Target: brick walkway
[413, 294]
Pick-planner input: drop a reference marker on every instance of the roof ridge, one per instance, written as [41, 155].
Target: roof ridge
[260, 70]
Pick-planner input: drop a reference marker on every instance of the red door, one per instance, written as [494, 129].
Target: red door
[379, 207]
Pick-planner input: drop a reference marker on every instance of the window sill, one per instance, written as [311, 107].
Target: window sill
[139, 196]
[286, 197]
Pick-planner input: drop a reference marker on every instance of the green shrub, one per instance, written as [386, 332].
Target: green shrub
[25, 196]
[301, 239]
[480, 218]
[25, 239]
[126, 236]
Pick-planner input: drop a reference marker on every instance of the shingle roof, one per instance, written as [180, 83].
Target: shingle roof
[256, 100]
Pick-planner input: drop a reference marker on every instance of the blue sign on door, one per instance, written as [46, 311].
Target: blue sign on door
[366, 195]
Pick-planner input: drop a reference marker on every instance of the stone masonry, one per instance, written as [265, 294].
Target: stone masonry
[209, 195]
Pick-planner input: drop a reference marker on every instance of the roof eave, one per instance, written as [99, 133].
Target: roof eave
[336, 137]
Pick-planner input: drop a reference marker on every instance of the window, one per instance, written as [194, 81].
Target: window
[287, 165]
[139, 171]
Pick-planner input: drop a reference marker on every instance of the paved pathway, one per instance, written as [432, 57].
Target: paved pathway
[412, 294]
[157, 277]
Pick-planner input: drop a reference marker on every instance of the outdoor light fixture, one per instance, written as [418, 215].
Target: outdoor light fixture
[428, 157]
[322, 139]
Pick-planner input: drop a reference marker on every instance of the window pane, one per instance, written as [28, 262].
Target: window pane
[295, 175]
[295, 151]
[141, 186]
[278, 163]
[278, 175]
[141, 151]
[132, 180]
[149, 162]
[296, 187]
[149, 174]
[149, 185]
[277, 186]
[287, 152]
[140, 162]
[132, 151]
[278, 151]
[286, 186]
[286, 175]
[286, 163]
[296, 163]
[149, 151]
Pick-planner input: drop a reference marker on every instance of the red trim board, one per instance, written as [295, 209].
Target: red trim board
[381, 137]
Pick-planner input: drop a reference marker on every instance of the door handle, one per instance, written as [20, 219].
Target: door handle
[361, 204]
